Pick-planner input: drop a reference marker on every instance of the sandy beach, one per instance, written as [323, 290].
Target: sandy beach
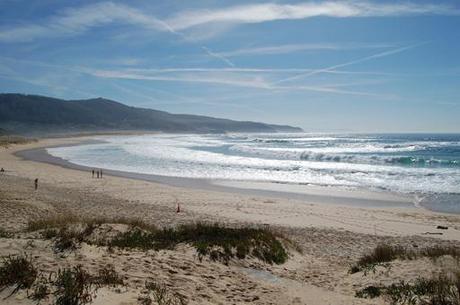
[329, 236]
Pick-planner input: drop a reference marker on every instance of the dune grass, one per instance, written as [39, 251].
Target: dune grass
[17, 271]
[69, 286]
[383, 254]
[74, 286]
[161, 295]
[442, 289]
[218, 242]
[64, 221]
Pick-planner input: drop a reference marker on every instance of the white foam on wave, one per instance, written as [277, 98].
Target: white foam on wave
[201, 156]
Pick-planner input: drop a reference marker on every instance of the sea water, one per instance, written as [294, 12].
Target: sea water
[426, 166]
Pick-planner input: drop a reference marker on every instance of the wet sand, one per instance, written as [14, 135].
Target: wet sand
[307, 193]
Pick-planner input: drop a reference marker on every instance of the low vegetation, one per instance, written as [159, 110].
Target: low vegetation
[69, 286]
[8, 140]
[161, 295]
[59, 221]
[108, 276]
[18, 272]
[5, 234]
[218, 242]
[69, 239]
[443, 289]
[383, 254]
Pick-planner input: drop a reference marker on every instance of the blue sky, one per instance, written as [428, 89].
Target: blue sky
[334, 66]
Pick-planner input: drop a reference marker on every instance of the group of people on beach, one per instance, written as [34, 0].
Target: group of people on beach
[97, 172]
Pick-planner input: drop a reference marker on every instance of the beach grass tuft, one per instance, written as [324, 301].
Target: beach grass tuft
[108, 276]
[17, 271]
[161, 295]
[441, 289]
[74, 286]
[383, 254]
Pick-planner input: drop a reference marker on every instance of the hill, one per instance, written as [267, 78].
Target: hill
[33, 114]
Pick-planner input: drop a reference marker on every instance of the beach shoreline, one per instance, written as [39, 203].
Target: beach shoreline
[308, 193]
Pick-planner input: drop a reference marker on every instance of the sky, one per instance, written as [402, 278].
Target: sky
[326, 66]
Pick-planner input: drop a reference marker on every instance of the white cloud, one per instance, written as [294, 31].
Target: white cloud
[292, 48]
[78, 20]
[257, 13]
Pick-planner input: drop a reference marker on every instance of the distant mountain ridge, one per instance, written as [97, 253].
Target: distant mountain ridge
[34, 114]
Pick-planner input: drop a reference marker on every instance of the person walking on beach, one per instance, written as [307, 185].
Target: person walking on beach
[36, 183]
[97, 174]
[101, 173]
[92, 174]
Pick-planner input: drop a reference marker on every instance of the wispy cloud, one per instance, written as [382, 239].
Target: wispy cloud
[257, 13]
[252, 78]
[218, 56]
[235, 80]
[232, 80]
[78, 20]
[292, 48]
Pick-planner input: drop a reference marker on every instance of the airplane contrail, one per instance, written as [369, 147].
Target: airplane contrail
[329, 69]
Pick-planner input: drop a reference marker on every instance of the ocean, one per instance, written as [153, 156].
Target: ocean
[425, 166]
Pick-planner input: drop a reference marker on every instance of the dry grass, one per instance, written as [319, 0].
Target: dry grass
[383, 254]
[7, 141]
[64, 221]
